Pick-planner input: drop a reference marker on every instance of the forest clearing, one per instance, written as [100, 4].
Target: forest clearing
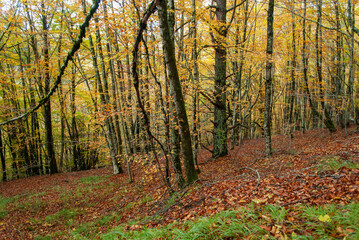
[308, 191]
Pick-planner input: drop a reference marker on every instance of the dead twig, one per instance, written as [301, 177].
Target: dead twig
[300, 200]
[254, 170]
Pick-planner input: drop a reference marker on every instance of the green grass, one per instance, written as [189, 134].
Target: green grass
[65, 215]
[3, 204]
[335, 163]
[254, 221]
[91, 180]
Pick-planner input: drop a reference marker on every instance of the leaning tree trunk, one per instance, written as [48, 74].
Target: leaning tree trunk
[175, 85]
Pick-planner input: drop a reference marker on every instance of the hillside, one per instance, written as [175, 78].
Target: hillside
[319, 168]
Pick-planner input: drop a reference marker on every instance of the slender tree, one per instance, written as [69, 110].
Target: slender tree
[269, 80]
[169, 52]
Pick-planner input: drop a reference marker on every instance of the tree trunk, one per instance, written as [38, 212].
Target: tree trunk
[319, 65]
[305, 66]
[195, 101]
[2, 158]
[220, 118]
[268, 82]
[339, 77]
[351, 20]
[47, 106]
[175, 85]
[292, 76]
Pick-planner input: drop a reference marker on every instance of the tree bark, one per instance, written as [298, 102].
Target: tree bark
[351, 21]
[268, 81]
[220, 118]
[47, 106]
[175, 85]
[2, 157]
[319, 64]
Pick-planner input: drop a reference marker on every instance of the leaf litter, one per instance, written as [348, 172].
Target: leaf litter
[53, 204]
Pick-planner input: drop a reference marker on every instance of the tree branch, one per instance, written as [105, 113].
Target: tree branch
[356, 30]
[143, 24]
[76, 46]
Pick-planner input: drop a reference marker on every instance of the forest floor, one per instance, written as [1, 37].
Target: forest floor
[312, 178]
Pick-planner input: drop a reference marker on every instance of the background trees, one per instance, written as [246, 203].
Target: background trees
[220, 57]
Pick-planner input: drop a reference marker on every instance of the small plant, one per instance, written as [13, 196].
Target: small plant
[335, 163]
[129, 205]
[82, 230]
[276, 212]
[91, 180]
[146, 199]
[3, 204]
[63, 215]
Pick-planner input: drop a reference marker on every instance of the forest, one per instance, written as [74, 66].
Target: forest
[174, 91]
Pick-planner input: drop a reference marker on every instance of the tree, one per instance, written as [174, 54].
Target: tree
[269, 80]
[220, 113]
[47, 106]
[175, 85]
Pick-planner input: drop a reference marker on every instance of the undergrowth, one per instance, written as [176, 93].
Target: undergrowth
[3, 204]
[335, 163]
[256, 222]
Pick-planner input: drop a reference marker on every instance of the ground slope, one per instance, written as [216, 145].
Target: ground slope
[314, 168]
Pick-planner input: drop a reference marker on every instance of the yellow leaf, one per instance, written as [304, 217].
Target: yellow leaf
[325, 218]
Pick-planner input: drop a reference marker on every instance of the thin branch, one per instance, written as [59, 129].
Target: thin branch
[258, 176]
[143, 24]
[7, 28]
[356, 30]
[209, 99]
[76, 46]
[235, 6]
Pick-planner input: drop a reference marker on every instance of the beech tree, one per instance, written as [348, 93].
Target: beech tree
[175, 85]
[269, 80]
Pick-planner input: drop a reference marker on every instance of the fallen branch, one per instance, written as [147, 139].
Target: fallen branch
[258, 175]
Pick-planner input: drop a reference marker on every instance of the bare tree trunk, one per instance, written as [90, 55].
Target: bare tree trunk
[269, 80]
[169, 52]
[220, 117]
[292, 76]
[339, 76]
[47, 107]
[305, 67]
[236, 135]
[2, 158]
[351, 21]
[319, 64]
[195, 101]
[114, 103]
